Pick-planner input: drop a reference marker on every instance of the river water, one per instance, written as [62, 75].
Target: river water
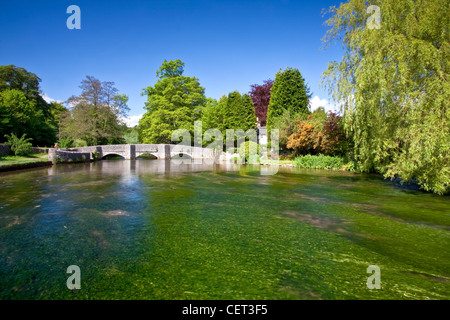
[164, 230]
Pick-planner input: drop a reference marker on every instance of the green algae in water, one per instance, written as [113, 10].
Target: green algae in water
[156, 230]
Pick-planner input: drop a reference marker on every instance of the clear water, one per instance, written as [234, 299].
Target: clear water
[161, 230]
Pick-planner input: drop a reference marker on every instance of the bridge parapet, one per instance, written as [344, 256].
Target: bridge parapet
[132, 151]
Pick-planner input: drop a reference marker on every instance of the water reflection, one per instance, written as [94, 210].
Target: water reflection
[140, 167]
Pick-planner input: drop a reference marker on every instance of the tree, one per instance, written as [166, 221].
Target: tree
[19, 146]
[42, 127]
[393, 83]
[308, 138]
[238, 114]
[12, 77]
[335, 140]
[130, 135]
[319, 133]
[18, 115]
[174, 102]
[286, 123]
[95, 115]
[289, 92]
[213, 118]
[249, 117]
[260, 95]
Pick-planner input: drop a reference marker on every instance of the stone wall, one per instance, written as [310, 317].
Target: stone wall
[4, 149]
[39, 150]
[61, 155]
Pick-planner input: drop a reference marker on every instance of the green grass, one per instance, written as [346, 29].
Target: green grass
[10, 160]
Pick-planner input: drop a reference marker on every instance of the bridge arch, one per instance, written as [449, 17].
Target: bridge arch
[180, 156]
[146, 156]
[109, 154]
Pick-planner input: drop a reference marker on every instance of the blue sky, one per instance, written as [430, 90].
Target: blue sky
[227, 45]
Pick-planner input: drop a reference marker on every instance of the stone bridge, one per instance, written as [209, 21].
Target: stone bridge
[132, 151]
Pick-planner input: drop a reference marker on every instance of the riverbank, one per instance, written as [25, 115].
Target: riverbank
[11, 163]
[25, 165]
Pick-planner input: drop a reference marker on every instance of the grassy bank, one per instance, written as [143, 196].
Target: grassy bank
[14, 160]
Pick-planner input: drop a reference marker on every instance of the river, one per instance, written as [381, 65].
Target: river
[164, 230]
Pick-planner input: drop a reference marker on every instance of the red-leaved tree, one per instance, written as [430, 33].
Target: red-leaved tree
[260, 95]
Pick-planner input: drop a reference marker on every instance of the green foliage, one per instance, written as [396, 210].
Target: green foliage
[319, 162]
[18, 115]
[351, 166]
[131, 136]
[289, 92]
[19, 146]
[395, 88]
[174, 102]
[80, 143]
[234, 111]
[22, 108]
[95, 155]
[239, 114]
[249, 151]
[66, 143]
[249, 118]
[213, 118]
[12, 77]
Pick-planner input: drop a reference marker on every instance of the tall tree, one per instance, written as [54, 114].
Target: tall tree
[260, 95]
[238, 114]
[174, 102]
[249, 117]
[289, 92]
[96, 114]
[393, 83]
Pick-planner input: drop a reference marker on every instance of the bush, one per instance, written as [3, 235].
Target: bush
[65, 143]
[80, 143]
[352, 166]
[319, 162]
[249, 150]
[95, 155]
[19, 146]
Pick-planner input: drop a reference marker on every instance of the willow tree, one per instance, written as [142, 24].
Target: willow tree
[393, 86]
